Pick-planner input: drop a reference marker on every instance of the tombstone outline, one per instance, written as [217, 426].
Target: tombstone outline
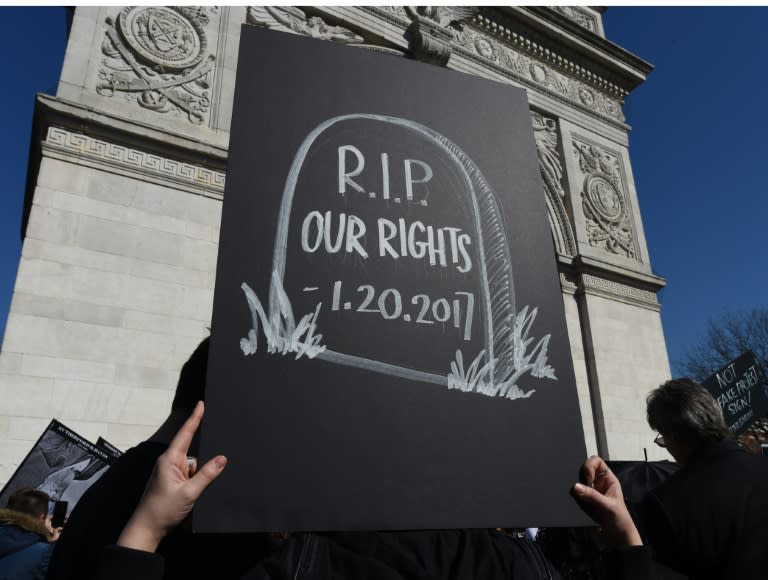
[499, 370]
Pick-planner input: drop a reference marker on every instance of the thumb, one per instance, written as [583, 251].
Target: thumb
[591, 496]
[204, 477]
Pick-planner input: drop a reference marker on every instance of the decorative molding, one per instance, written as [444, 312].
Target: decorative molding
[158, 57]
[551, 167]
[494, 46]
[579, 16]
[539, 67]
[605, 205]
[148, 164]
[549, 56]
[614, 290]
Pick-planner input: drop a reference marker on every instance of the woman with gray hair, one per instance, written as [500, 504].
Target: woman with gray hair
[709, 520]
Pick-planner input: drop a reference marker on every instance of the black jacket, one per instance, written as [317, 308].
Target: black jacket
[710, 519]
[418, 555]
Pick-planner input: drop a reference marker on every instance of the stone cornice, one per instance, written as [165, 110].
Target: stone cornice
[625, 69]
[534, 52]
[74, 132]
[622, 292]
[596, 267]
[580, 275]
[130, 132]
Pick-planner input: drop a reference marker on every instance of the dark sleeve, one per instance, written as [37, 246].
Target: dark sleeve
[118, 563]
[45, 550]
[630, 563]
[637, 563]
[659, 532]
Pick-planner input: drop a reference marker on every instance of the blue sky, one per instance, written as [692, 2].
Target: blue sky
[697, 149]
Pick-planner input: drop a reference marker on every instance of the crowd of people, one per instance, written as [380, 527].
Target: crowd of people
[707, 521]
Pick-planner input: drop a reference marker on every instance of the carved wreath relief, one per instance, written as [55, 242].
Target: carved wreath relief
[158, 56]
[603, 201]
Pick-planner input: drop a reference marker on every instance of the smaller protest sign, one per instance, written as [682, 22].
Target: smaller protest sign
[740, 388]
[109, 449]
[61, 463]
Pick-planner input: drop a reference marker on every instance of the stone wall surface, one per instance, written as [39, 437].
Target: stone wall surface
[115, 283]
[113, 292]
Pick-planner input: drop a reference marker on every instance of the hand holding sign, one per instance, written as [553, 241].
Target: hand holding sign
[172, 490]
[600, 495]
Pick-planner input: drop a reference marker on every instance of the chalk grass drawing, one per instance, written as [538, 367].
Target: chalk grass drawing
[479, 377]
[507, 353]
[280, 329]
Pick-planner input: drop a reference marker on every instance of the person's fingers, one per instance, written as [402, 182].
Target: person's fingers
[592, 497]
[205, 476]
[183, 438]
[191, 466]
[591, 468]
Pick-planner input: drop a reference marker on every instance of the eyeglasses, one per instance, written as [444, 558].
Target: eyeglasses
[659, 440]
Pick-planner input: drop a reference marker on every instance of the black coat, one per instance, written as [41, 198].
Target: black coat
[710, 519]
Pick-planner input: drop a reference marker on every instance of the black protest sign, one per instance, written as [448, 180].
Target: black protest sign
[741, 390]
[112, 452]
[62, 464]
[389, 348]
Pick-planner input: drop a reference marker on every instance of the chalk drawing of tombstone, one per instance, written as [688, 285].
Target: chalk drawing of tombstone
[391, 248]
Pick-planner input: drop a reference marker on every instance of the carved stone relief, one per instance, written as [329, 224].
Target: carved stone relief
[292, 19]
[546, 136]
[578, 15]
[158, 57]
[296, 21]
[605, 206]
[434, 29]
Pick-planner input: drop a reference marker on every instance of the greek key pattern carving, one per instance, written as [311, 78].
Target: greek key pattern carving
[147, 163]
[610, 288]
[551, 167]
[578, 15]
[606, 209]
[537, 66]
[158, 57]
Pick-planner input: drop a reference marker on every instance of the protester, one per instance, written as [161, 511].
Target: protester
[101, 513]
[707, 521]
[26, 536]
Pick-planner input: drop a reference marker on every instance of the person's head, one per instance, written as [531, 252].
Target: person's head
[30, 501]
[191, 386]
[686, 415]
